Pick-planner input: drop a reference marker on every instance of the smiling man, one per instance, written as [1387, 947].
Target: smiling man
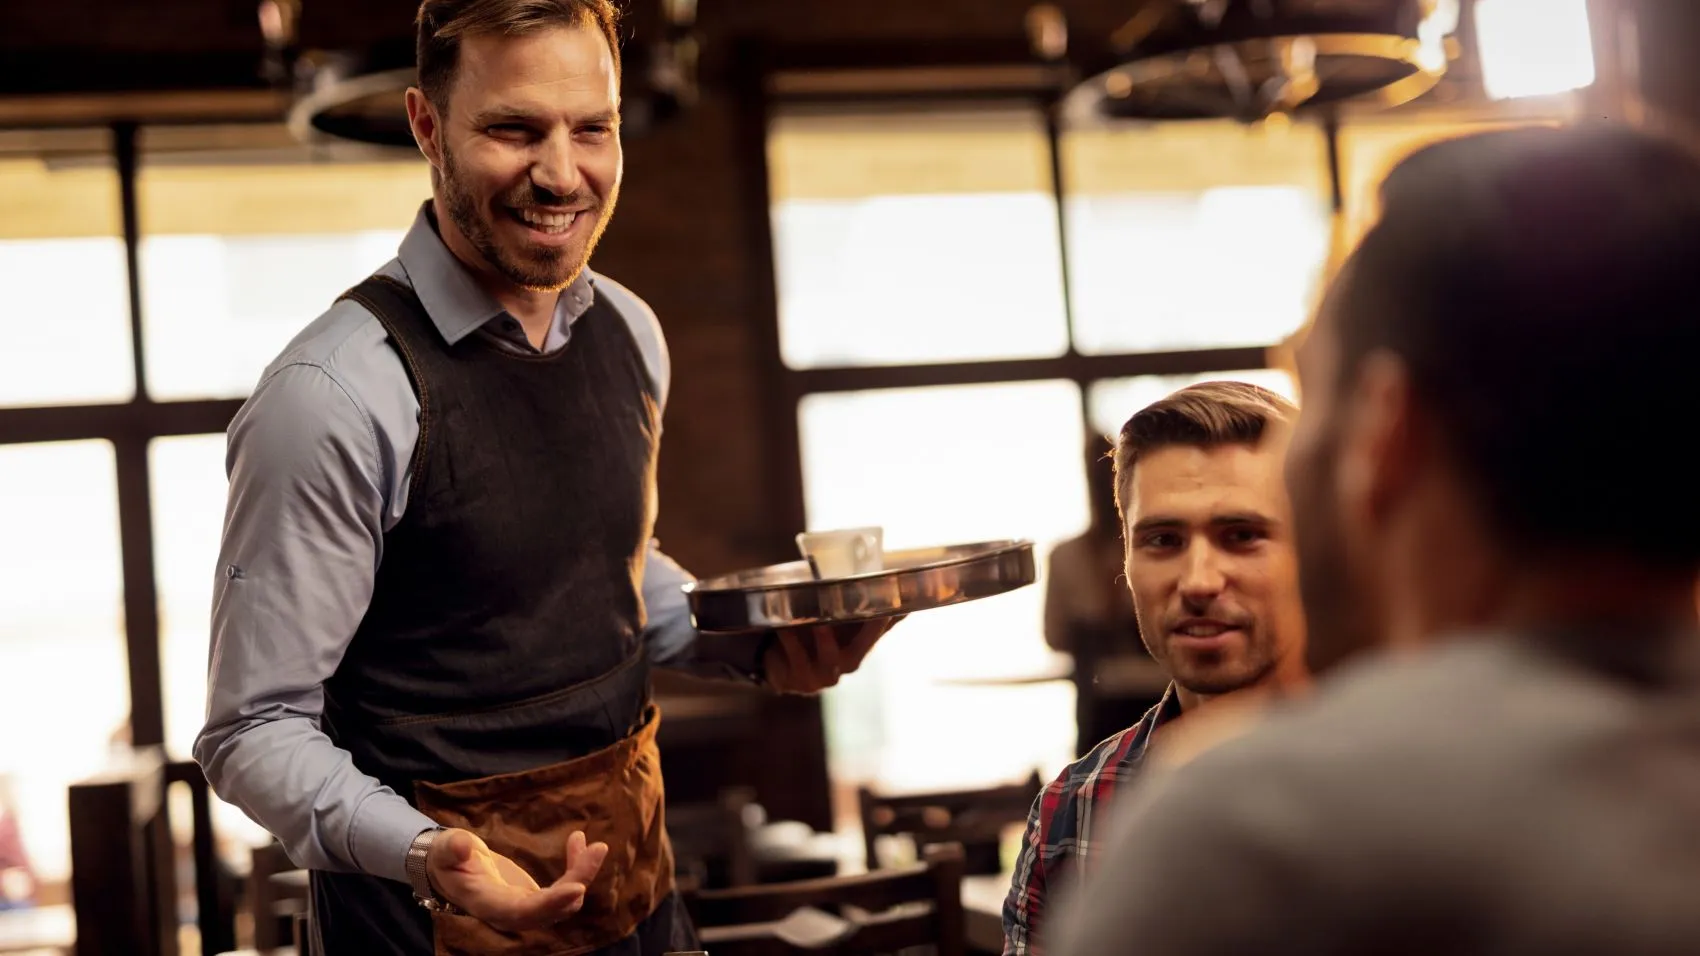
[438, 599]
[1210, 563]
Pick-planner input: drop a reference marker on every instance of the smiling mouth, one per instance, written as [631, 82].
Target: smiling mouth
[548, 222]
[1204, 630]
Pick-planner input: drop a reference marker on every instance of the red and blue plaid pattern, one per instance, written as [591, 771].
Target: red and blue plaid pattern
[1059, 828]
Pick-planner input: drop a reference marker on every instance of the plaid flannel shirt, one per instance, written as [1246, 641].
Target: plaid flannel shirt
[1059, 828]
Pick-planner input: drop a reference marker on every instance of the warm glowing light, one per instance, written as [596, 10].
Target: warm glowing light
[1534, 47]
[1440, 23]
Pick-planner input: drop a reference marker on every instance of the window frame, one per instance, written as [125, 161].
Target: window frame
[965, 73]
[130, 426]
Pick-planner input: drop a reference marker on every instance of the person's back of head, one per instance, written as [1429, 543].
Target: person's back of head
[1551, 311]
[1532, 293]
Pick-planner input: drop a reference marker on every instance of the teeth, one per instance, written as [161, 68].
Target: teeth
[1203, 630]
[548, 221]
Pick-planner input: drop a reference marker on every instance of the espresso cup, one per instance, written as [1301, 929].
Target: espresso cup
[844, 552]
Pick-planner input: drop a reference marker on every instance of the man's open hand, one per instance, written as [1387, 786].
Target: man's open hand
[484, 884]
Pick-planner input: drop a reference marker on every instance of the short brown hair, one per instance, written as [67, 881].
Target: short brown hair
[1206, 414]
[443, 24]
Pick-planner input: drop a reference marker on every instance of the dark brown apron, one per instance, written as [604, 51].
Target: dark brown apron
[613, 795]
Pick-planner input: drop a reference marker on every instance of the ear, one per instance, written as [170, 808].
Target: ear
[1379, 442]
[427, 126]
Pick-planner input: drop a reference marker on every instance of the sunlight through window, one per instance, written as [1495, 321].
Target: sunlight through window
[1193, 235]
[949, 465]
[925, 237]
[64, 682]
[1534, 47]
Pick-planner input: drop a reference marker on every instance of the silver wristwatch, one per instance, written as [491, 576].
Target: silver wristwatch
[418, 852]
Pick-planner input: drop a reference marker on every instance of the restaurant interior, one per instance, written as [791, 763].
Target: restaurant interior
[914, 260]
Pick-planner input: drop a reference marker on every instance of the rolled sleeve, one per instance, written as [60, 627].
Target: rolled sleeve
[297, 565]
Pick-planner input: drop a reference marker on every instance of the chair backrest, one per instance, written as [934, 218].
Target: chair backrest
[867, 913]
[974, 818]
[277, 891]
[215, 897]
[124, 863]
[303, 935]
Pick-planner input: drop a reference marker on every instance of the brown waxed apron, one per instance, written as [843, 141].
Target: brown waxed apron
[614, 795]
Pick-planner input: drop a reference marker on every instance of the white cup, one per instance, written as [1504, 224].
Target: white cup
[841, 553]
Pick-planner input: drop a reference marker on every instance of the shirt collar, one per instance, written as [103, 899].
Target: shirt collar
[1166, 710]
[458, 306]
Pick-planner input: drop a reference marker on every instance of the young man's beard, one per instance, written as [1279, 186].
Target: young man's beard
[1212, 682]
[1215, 676]
[536, 267]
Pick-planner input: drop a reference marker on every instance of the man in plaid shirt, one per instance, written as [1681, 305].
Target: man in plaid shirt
[1211, 566]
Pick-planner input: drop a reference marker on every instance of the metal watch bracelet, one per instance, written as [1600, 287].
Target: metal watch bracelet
[419, 876]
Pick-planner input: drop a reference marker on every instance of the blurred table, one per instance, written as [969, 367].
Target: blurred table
[37, 929]
[1059, 670]
[1121, 675]
[982, 910]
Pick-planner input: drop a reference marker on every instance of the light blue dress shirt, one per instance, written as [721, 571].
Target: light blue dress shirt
[319, 462]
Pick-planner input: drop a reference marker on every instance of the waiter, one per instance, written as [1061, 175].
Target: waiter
[439, 600]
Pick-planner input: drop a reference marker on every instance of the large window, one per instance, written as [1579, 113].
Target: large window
[1194, 235]
[923, 238]
[234, 259]
[63, 290]
[949, 464]
[926, 243]
[64, 687]
[948, 372]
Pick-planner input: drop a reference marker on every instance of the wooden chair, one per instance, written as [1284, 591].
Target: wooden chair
[974, 818]
[870, 913]
[303, 934]
[277, 890]
[124, 863]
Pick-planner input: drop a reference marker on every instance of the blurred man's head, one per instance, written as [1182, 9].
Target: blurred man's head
[1209, 537]
[1498, 395]
[518, 111]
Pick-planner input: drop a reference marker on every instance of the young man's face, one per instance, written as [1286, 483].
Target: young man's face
[1211, 565]
[526, 153]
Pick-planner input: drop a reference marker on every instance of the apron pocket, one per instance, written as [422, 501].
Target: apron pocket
[614, 795]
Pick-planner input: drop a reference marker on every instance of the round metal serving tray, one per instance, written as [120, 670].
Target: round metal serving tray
[788, 595]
